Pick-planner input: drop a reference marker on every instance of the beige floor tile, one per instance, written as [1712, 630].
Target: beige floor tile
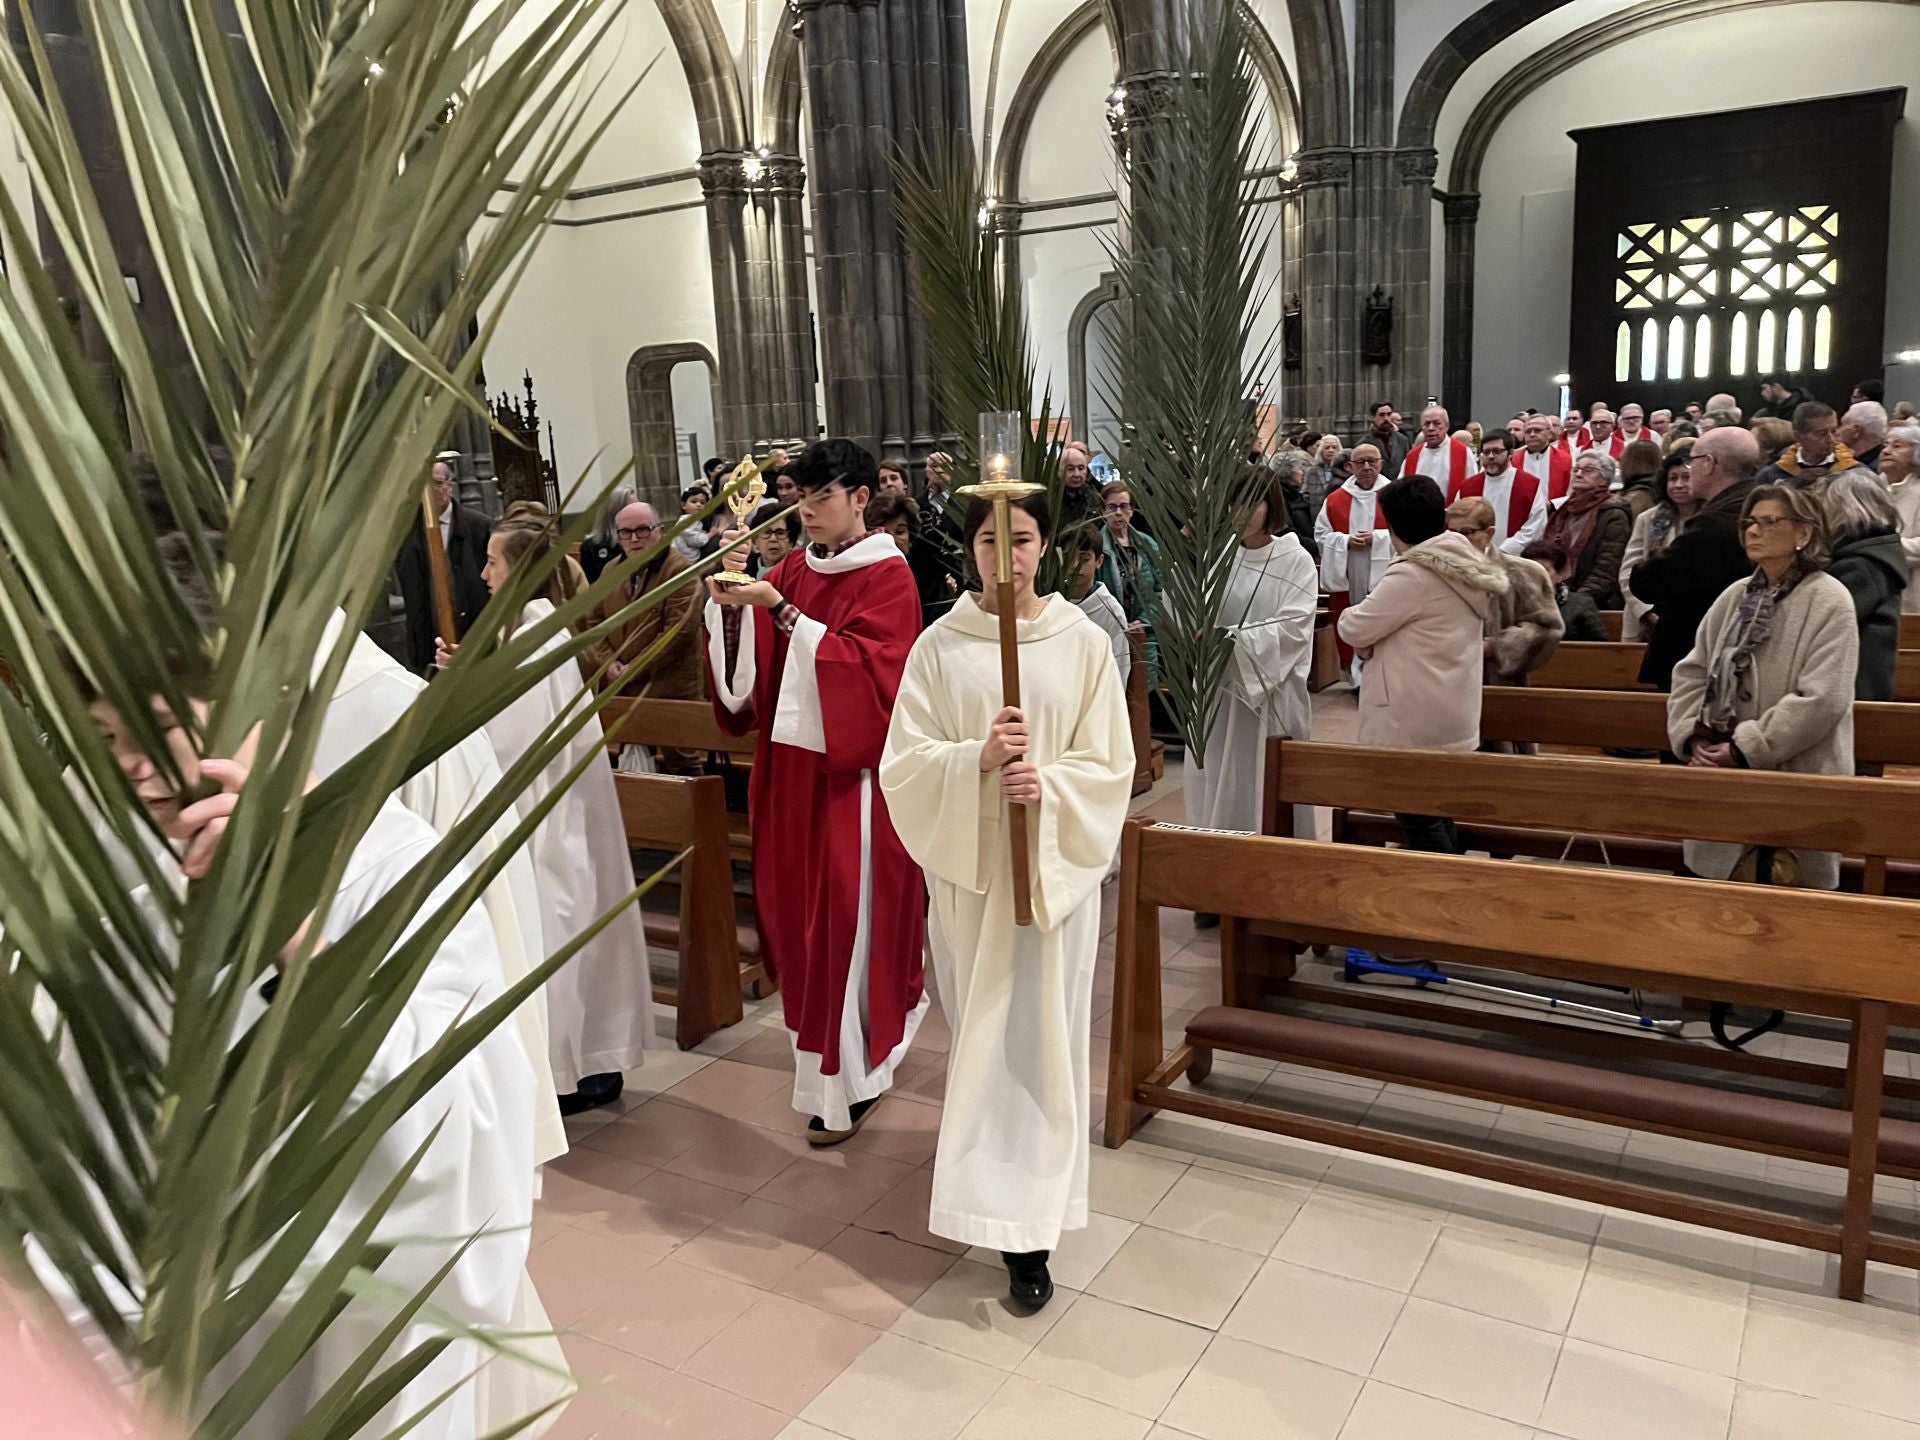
[902, 1212]
[1690, 1245]
[781, 1353]
[967, 1312]
[1532, 1284]
[865, 1276]
[662, 1403]
[1503, 1210]
[759, 1244]
[1394, 1181]
[1115, 1355]
[899, 1390]
[801, 1430]
[1167, 1432]
[1385, 1413]
[579, 1271]
[664, 1069]
[737, 1156]
[1665, 1312]
[1763, 1414]
[836, 1183]
[1247, 1392]
[1025, 1409]
[676, 1311]
[1128, 1184]
[1492, 1366]
[1360, 1239]
[727, 1087]
[1176, 1276]
[1317, 1316]
[1081, 1254]
[1232, 1210]
[1869, 1359]
[1608, 1395]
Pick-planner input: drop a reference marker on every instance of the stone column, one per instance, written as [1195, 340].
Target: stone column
[881, 78]
[754, 237]
[1462, 221]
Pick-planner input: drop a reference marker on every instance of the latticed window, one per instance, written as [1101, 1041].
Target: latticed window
[1725, 294]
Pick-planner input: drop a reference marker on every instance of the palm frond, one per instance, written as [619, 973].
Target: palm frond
[1191, 351]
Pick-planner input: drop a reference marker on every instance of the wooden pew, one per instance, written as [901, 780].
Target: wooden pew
[1679, 935]
[675, 813]
[1149, 754]
[670, 725]
[1910, 632]
[1615, 665]
[1884, 732]
[1615, 621]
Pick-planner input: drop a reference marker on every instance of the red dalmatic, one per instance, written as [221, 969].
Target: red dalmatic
[1519, 504]
[842, 909]
[1459, 462]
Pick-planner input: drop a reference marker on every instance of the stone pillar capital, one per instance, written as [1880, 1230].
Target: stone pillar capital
[1330, 166]
[750, 172]
[1458, 210]
[1417, 167]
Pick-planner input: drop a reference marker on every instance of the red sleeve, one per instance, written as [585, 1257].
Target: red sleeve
[859, 664]
[745, 720]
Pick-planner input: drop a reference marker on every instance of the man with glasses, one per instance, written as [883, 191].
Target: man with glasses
[1682, 582]
[1519, 501]
[463, 534]
[633, 661]
[1079, 496]
[1355, 548]
[1547, 462]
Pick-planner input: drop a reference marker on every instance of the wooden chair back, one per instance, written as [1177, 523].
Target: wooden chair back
[1615, 665]
[670, 725]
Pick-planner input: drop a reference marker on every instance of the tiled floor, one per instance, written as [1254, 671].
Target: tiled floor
[717, 1280]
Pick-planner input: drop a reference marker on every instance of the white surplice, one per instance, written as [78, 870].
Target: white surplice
[1011, 1171]
[1268, 611]
[1344, 571]
[600, 1004]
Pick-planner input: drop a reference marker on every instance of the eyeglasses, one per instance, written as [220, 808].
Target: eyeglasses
[1765, 522]
[1120, 509]
[637, 532]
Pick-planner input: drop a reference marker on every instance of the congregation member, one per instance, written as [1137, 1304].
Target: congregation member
[1518, 500]
[1131, 569]
[1594, 528]
[1868, 390]
[1524, 625]
[1080, 497]
[894, 479]
[1579, 616]
[810, 656]
[1900, 473]
[1010, 1171]
[1863, 429]
[1096, 602]
[1267, 612]
[1388, 439]
[656, 652]
[1287, 467]
[1422, 633]
[1682, 583]
[1573, 436]
[1633, 427]
[1638, 466]
[1660, 422]
[895, 512]
[1863, 534]
[1769, 682]
[600, 1004]
[1355, 547]
[1544, 460]
[775, 543]
[1441, 457]
[784, 489]
[940, 503]
[1774, 437]
[463, 535]
[690, 535]
[1653, 531]
[1816, 450]
[1602, 435]
[1780, 396]
[1324, 474]
[602, 547]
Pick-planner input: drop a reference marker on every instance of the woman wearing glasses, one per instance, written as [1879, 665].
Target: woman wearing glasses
[1769, 683]
[1131, 569]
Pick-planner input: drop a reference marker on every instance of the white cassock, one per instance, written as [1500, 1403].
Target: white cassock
[1498, 493]
[1268, 611]
[600, 1004]
[1344, 571]
[1435, 462]
[1099, 606]
[1011, 1171]
[476, 1176]
[372, 696]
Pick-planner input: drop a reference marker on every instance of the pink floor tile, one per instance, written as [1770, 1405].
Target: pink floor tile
[900, 1128]
[578, 1270]
[760, 1243]
[663, 1209]
[669, 1316]
[580, 1183]
[771, 1049]
[781, 1353]
[662, 1405]
[654, 1133]
[902, 1213]
[867, 1276]
[740, 1156]
[838, 1183]
[727, 1087]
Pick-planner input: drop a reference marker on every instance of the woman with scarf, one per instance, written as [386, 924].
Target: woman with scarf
[1594, 527]
[1769, 684]
[1653, 531]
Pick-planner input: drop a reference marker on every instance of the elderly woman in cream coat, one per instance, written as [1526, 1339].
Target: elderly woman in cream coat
[1422, 633]
[1769, 682]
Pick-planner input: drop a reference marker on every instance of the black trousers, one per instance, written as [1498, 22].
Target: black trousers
[1432, 833]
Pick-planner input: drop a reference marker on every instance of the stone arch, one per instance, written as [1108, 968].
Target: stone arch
[781, 97]
[1079, 383]
[711, 76]
[1326, 87]
[650, 416]
[1451, 58]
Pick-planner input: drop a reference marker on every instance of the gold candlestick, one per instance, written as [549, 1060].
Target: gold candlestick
[745, 491]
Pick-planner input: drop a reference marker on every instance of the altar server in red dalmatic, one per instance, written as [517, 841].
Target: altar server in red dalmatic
[811, 655]
[1441, 458]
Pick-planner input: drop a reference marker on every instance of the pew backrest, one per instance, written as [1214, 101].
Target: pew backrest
[1615, 665]
[669, 725]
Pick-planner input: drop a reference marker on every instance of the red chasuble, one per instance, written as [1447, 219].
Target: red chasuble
[1459, 462]
[1553, 465]
[834, 891]
[1519, 504]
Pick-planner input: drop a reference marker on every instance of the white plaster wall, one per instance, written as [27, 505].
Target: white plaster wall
[1419, 26]
[1068, 152]
[1524, 242]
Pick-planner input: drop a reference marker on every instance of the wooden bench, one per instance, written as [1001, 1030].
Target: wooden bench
[1615, 621]
[681, 725]
[1615, 665]
[1681, 935]
[1885, 732]
[1149, 754]
[674, 813]
[1910, 632]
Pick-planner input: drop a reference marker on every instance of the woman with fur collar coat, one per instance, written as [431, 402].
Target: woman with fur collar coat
[1524, 627]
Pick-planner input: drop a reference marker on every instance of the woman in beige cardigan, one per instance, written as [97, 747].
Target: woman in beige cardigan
[1769, 684]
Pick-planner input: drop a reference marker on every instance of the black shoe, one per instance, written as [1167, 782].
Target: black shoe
[818, 1135]
[594, 1091]
[1205, 920]
[1028, 1283]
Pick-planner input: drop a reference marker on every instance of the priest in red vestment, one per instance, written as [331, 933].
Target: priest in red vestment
[1544, 459]
[1633, 427]
[1519, 501]
[810, 655]
[1574, 435]
[1441, 458]
[1602, 434]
